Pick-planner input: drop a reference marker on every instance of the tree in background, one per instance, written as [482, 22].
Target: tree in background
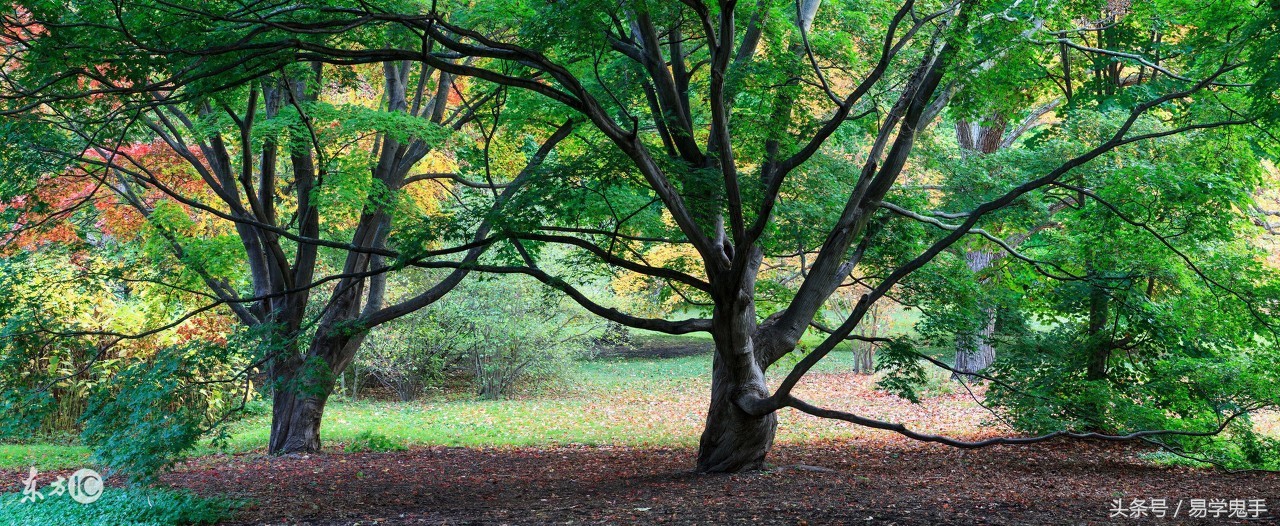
[244, 188]
[1159, 303]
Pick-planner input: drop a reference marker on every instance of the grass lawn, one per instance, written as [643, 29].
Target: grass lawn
[635, 402]
[621, 401]
[42, 456]
[616, 401]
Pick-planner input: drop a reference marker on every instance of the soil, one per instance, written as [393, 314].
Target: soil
[892, 481]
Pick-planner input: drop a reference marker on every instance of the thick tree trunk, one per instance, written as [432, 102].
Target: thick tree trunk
[734, 440]
[974, 351]
[295, 420]
[303, 385]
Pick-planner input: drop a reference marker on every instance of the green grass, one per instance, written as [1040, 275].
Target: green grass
[587, 410]
[42, 456]
[135, 506]
[637, 402]
[1165, 458]
[369, 441]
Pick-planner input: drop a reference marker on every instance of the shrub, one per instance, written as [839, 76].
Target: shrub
[47, 371]
[615, 335]
[522, 333]
[136, 506]
[413, 352]
[155, 410]
[496, 333]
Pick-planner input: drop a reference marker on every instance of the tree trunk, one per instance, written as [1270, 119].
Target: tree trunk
[295, 420]
[864, 358]
[303, 385]
[1100, 351]
[734, 440]
[864, 352]
[974, 351]
[298, 396]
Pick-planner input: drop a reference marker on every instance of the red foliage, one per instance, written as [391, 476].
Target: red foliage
[47, 213]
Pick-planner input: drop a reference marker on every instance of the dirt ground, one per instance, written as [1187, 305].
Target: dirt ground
[886, 482]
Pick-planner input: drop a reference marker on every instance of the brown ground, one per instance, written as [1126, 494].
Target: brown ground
[891, 481]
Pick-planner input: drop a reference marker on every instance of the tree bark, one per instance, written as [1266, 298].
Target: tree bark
[298, 401]
[295, 421]
[734, 440]
[974, 351]
[303, 386]
[1100, 351]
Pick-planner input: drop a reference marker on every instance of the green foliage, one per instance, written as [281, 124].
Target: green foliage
[416, 351]
[498, 333]
[523, 334]
[371, 442]
[902, 370]
[47, 370]
[157, 409]
[1109, 322]
[128, 506]
[1147, 304]
[25, 158]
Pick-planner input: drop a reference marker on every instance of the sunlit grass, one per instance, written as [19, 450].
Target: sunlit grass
[636, 402]
[631, 402]
[42, 456]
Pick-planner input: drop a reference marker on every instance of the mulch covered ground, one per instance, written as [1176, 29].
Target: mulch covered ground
[890, 481]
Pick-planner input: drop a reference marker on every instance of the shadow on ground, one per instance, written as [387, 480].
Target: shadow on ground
[889, 482]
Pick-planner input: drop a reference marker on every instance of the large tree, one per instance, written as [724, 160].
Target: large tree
[728, 131]
[738, 134]
[281, 196]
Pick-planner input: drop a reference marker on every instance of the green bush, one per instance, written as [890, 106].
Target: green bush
[133, 506]
[496, 333]
[157, 409]
[523, 334]
[47, 372]
[414, 352]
